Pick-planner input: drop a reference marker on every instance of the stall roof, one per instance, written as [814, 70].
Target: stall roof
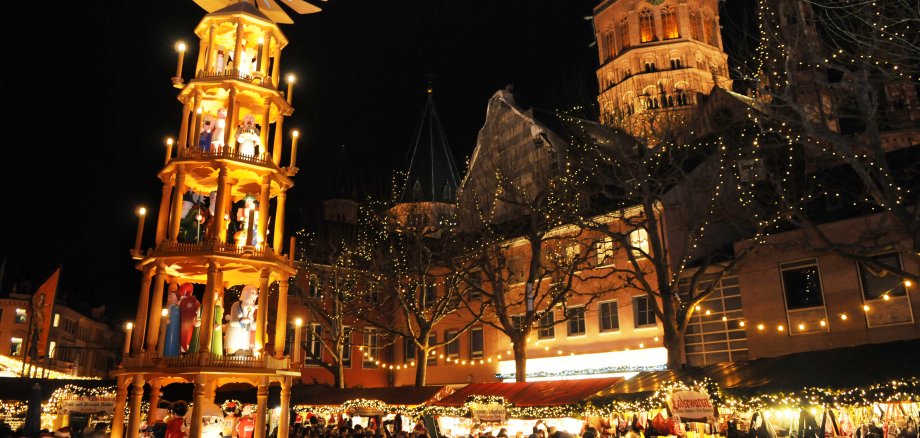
[19, 388]
[840, 368]
[321, 395]
[542, 393]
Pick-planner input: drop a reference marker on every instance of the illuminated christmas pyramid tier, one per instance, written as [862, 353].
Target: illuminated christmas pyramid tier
[218, 272]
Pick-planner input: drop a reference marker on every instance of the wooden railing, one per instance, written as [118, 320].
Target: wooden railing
[207, 360]
[232, 73]
[227, 152]
[215, 246]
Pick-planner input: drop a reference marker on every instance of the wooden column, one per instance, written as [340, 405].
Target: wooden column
[183, 128]
[143, 301]
[284, 419]
[212, 51]
[163, 213]
[206, 329]
[263, 133]
[237, 55]
[175, 217]
[279, 222]
[281, 320]
[194, 429]
[276, 66]
[279, 136]
[261, 407]
[264, 202]
[195, 126]
[155, 395]
[232, 120]
[121, 399]
[134, 418]
[262, 311]
[156, 307]
[220, 210]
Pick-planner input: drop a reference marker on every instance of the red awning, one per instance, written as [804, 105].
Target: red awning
[544, 393]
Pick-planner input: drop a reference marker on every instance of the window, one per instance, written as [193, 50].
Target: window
[408, 350]
[572, 252]
[430, 296]
[452, 349]
[878, 283]
[57, 320]
[707, 27]
[605, 252]
[346, 348]
[475, 278]
[623, 28]
[609, 316]
[314, 345]
[696, 26]
[315, 289]
[547, 328]
[669, 22]
[433, 354]
[15, 346]
[644, 314]
[517, 321]
[52, 349]
[576, 320]
[638, 240]
[650, 67]
[372, 348]
[801, 284]
[20, 316]
[676, 63]
[476, 344]
[647, 26]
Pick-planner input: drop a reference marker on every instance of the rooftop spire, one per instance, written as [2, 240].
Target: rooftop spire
[432, 174]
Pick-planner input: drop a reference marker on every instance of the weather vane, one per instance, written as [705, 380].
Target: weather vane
[270, 8]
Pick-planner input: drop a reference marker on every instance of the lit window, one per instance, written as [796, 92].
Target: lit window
[802, 284]
[643, 311]
[315, 289]
[476, 343]
[547, 328]
[609, 316]
[372, 348]
[452, 349]
[638, 240]
[877, 283]
[572, 252]
[605, 252]
[669, 22]
[517, 321]
[20, 316]
[52, 347]
[576, 320]
[647, 26]
[15, 346]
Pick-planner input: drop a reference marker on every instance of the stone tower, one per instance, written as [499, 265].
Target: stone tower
[220, 229]
[657, 57]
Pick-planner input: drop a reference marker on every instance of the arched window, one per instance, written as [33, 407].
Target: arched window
[610, 44]
[669, 22]
[707, 28]
[696, 29]
[647, 26]
[624, 34]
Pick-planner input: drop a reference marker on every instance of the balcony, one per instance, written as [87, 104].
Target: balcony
[215, 247]
[240, 364]
[234, 74]
[226, 153]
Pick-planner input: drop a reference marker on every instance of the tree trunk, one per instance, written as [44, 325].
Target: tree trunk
[520, 360]
[673, 338]
[339, 374]
[421, 366]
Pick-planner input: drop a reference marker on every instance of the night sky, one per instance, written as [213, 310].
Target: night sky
[87, 110]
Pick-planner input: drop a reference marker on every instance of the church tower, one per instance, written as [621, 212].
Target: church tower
[217, 275]
[657, 58]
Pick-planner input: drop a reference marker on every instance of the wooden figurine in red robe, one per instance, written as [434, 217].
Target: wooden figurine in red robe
[188, 311]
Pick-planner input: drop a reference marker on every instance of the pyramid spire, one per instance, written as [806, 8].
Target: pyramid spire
[432, 173]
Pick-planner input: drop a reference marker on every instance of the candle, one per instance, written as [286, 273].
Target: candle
[161, 340]
[295, 352]
[295, 134]
[129, 327]
[290, 92]
[293, 249]
[141, 213]
[180, 47]
[169, 146]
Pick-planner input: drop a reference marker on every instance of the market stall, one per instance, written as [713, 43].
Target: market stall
[517, 406]
[369, 407]
[64, 403]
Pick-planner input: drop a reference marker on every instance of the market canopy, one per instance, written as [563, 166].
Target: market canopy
[19, 388]
[321, 395]
[838, 368]
[540, 393]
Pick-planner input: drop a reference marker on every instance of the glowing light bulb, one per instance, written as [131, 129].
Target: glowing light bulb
[865, 307]
[801, 326]
[142, 211]
[886, 297]
[740, 323]
[708, 312]
[724, 318]
[823, 323]
[759, 326]
[298, 322]
[780, 328]
[180, 46]
[843, 316]
[908, 283]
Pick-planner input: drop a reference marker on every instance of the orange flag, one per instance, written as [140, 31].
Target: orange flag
[42, 305]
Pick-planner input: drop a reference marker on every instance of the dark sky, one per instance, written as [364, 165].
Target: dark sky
[87, 111]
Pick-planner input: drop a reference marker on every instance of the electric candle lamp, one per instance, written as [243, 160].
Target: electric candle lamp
[290, 90]
[141, 214]
[161, 340]
[129, 328]
[169, 146]
[908, 283]
[297, 336]
[180, 47]
[295, 134]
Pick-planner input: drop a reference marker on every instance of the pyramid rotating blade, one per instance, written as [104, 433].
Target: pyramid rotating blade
[274, 12]
[301, 7]
[212, 5]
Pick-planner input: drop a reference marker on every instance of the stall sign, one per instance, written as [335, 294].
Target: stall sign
[89, 404]
[488, 412]
[690, 404]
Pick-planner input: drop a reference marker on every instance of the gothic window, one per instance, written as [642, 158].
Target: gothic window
[696, 29]
[417, 191]
[650, 67]
[447, 194]
[707, 27]
[675, 63]
[610, 43]
[623, 40]
[647, 26]
[669, 22]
